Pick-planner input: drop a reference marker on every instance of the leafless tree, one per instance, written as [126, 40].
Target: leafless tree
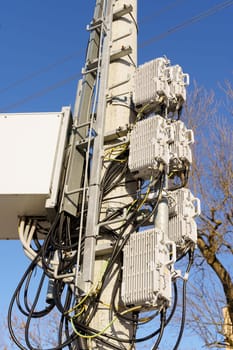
[212, 180]
[42, 332]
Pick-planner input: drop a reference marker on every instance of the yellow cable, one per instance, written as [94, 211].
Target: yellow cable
[141, 111]
[117, 160]
[79, 304]
[80, 312]
[115, 151]
[105, 328]
[91, 291]
[146, 195]
[132, 204]
[107, 305]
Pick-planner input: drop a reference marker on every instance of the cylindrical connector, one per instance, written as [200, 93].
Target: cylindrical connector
[162, 216]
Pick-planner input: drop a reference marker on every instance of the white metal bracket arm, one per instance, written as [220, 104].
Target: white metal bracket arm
[122, 11]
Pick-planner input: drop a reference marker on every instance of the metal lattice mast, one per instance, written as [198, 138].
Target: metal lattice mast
[118, 62]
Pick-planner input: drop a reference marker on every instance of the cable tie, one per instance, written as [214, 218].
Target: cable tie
[186, 276]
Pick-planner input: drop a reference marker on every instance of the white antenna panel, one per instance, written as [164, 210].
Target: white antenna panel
[179, 143]
[183, 208]
[178, 82]
[151, 82]
[148, 146]
[146, 270]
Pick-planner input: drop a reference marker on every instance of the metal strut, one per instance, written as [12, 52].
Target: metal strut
[82, 120]
[97, 152]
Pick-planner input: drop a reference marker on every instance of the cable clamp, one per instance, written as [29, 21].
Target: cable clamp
[176, 274]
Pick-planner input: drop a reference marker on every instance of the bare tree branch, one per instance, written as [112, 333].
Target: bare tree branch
[212, 175]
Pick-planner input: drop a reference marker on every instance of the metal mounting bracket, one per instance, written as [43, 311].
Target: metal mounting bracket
[122, 11]
[93, 65]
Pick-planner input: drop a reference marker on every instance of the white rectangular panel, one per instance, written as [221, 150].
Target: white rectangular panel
[151, 82]
[179, 146]
[178, 82]
[146, 273]
[183, 208]
[31, 154]
[148, 146]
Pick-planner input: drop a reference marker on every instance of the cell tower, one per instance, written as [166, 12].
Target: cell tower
[115, 213]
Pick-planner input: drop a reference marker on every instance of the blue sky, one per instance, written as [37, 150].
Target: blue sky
[43, 50]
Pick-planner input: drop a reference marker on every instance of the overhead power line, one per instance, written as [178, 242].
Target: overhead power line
[44, 91]
[161, 11]
[192, 20]
[34, 74]
[39, 93]
[67, 58]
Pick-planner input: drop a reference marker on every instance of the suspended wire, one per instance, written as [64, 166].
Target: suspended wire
[39, 93]
[67, 58]
[40, 71]
[192, 20]
[161, 11]
[145, 43]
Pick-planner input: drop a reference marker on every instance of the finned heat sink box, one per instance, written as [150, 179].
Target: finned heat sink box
[150, 82]
[156, 83]
[180, 139]
[32, 148]
[183, 208]
[148, 146]
[146, 274]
